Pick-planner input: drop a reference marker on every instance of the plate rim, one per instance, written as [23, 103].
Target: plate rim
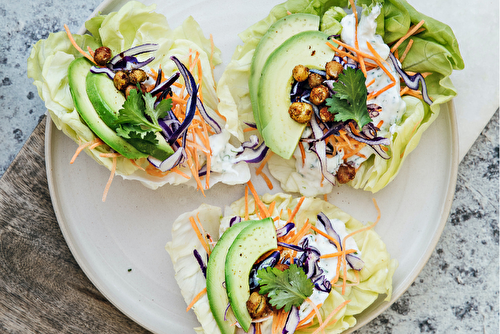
[447, 204]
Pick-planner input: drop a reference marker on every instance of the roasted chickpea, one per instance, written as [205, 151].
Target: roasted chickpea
[346, 173]
[131, 87]
[102, 55]
[301, 112]
[281, 266]
[257, 305]
[326, 115]
[333, 69]
[300, 73]
[315, 79]
[121, 80]
[137, 76]
[319, 94]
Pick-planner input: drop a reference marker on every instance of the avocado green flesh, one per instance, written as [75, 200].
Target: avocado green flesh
[77, 74]
[253, 241]
[106, 99]
[277, 33]
[217, 295]
[280, 132]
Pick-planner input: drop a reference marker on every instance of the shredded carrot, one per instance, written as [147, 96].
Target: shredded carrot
[249, 129]
[202, 240]
[316, 310]
[408, 47]
[108, 184]
[370, 83]
[264, 162]
[325, 197]
[91, 52]
[302, 153]
[83, 146]
[410, 32]
[267, 180]
[301, 233]
[380, 123]
[72, 40]
[337, 254]
[196, 298]
[136, 165]
[330, 316]
[110, 155]
[296, 209]
[358, 147]
[332, 239]
[258, 201]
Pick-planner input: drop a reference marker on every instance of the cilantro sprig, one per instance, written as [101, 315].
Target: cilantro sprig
[349, 100]
[285, 288]
[133, 122]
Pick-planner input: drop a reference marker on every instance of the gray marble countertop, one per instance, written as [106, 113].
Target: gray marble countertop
[457, 291]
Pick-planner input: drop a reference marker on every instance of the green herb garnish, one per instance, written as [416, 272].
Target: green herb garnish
[133, 122]
[285, 288]
[349, 100]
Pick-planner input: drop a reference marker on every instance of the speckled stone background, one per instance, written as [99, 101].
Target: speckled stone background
[457, 291]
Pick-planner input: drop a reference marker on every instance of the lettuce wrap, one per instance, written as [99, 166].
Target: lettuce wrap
[133, 25]
[434, 52]
[374, 279]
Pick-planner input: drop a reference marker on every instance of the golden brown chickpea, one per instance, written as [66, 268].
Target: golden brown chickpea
[319, 94]
[281, 266]
[130, 87]
[326, 115]
[102, 55]
[300, 112]
[315, 79]
[257, 305]
[300, 73]
[333, 69]
[121, 80]
[137, 76]
[346, 173]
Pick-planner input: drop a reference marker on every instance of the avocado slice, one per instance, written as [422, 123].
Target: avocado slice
[280, 132]
[77, 74]
[216, 292]
[253, 241]
[107, 102]
[106, 99]
[277, 33]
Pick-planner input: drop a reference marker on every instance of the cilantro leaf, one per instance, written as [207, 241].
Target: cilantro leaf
[132, 112]
[349, 100]
[285, 288]
[161, 109]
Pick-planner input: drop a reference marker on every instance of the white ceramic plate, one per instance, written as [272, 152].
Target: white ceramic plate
[119, 244]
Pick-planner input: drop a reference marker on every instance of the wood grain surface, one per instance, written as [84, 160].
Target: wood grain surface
[42, 288]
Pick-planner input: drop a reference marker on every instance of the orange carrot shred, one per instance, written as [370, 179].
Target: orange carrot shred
[196, 298]
[263, 163]
[267, 180]
[82, 147]
[296, 209]
[72, 40]
[258, 201]
[405, 53]
[202, 240]
[408, 34]
[330, 316]
[302, 153]
[246, 203]
[108, 184]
